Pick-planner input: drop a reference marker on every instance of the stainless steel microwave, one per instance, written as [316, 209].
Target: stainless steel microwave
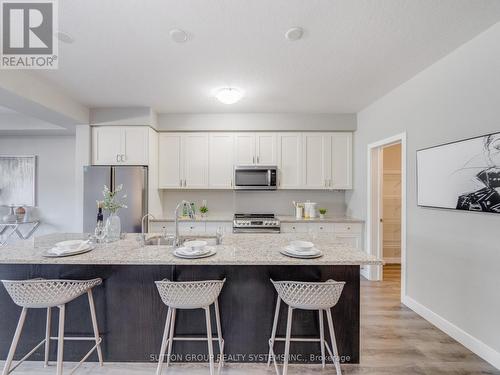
[255, 177]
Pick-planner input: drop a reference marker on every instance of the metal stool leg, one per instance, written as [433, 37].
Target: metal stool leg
[209, 338]
[273, 333]
[336, 357]
[287, 341]
[94, 326]
[60, 340]
[164, 342]
[15, 340]
[171, 336]
[322, 337]
[47, 337]
[219, 334]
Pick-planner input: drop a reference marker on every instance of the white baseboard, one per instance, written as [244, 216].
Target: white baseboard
[470, 342]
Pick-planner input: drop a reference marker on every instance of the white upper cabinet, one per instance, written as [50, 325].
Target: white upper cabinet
[255, 148]
[316, 148]
[183, 160]
[308, 160]
[195, 154]
[169, 160]
[220, 160]
[120, 145]
[265, 151]
[290, 160]
[244, 148]
[341, 161]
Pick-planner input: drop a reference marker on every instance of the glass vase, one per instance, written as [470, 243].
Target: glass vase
[113, 227]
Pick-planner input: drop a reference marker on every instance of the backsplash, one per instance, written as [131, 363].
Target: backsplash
[226, 203]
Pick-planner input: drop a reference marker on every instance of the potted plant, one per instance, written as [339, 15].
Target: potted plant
[112, 205]
[322, 213]
[203, 210]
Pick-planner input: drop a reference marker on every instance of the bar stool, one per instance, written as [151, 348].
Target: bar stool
[190, 295]
[306, 296]
[45, 294]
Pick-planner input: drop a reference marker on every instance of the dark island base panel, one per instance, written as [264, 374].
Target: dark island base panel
[131, 315]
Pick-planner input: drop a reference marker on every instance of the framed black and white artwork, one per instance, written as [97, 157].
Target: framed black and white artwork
[18, 181]
[462, 175]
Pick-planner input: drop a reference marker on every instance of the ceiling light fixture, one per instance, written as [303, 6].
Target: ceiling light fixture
[229, 95]
[64, 37]
[295, 33]
[178, 35]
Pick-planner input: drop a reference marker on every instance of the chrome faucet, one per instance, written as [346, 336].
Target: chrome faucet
[176, 219]
[143, 235]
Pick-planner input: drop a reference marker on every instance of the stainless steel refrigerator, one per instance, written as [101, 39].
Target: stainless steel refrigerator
[135, 185]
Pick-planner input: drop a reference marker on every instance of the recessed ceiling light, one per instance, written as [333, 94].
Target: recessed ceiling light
[178, 35]
[229, 95]
[295, 33]
[65, 37]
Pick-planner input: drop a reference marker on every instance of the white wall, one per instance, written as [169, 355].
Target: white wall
[257, 122]
[56, 194]
[225, 203]
[452, 256]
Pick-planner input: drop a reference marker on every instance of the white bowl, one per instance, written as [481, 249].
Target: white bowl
[195, 245]
[301, 245]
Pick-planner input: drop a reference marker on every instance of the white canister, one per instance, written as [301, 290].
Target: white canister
[310, 210]
[299, 212]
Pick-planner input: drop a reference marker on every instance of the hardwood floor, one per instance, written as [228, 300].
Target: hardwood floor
[394, 340]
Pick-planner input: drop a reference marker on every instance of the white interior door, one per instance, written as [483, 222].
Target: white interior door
[317, 160]
[244, 148]
[220, 160]
[106, 145]
[135, 148]
[265, 148]
[169, 161]
[341, 161]
[290, 160]
[195, 155]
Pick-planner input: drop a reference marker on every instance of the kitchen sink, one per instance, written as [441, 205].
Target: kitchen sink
[162, 241]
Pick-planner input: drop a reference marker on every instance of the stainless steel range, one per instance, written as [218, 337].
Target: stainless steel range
[256, 223]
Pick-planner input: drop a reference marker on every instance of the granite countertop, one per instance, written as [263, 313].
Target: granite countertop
[208, 218]
[236, 249]
[327, 219]
[283, 219]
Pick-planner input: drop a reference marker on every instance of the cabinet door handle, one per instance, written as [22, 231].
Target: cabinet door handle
[117, 158]
[253, 159]
[184, 183]
[123, 158]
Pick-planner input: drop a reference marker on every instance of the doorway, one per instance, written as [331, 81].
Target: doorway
[386, 211]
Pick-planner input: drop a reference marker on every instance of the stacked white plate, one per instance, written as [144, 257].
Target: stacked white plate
[194, 250]
[301, 249]
[67, 248]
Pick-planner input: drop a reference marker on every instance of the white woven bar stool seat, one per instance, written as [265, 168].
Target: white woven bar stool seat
[42, 293]
[320, 296]
[309, 295]
[190, 295]
[46, 294]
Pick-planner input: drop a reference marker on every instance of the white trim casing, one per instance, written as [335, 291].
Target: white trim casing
[375, 272]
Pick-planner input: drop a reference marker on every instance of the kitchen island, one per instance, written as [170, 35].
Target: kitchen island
[131, 315]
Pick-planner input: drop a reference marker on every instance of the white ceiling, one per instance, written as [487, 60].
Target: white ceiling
[353, 51]
[15, 123]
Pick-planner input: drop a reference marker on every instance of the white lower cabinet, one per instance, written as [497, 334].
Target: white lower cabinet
[346, 233]
[190, 227]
